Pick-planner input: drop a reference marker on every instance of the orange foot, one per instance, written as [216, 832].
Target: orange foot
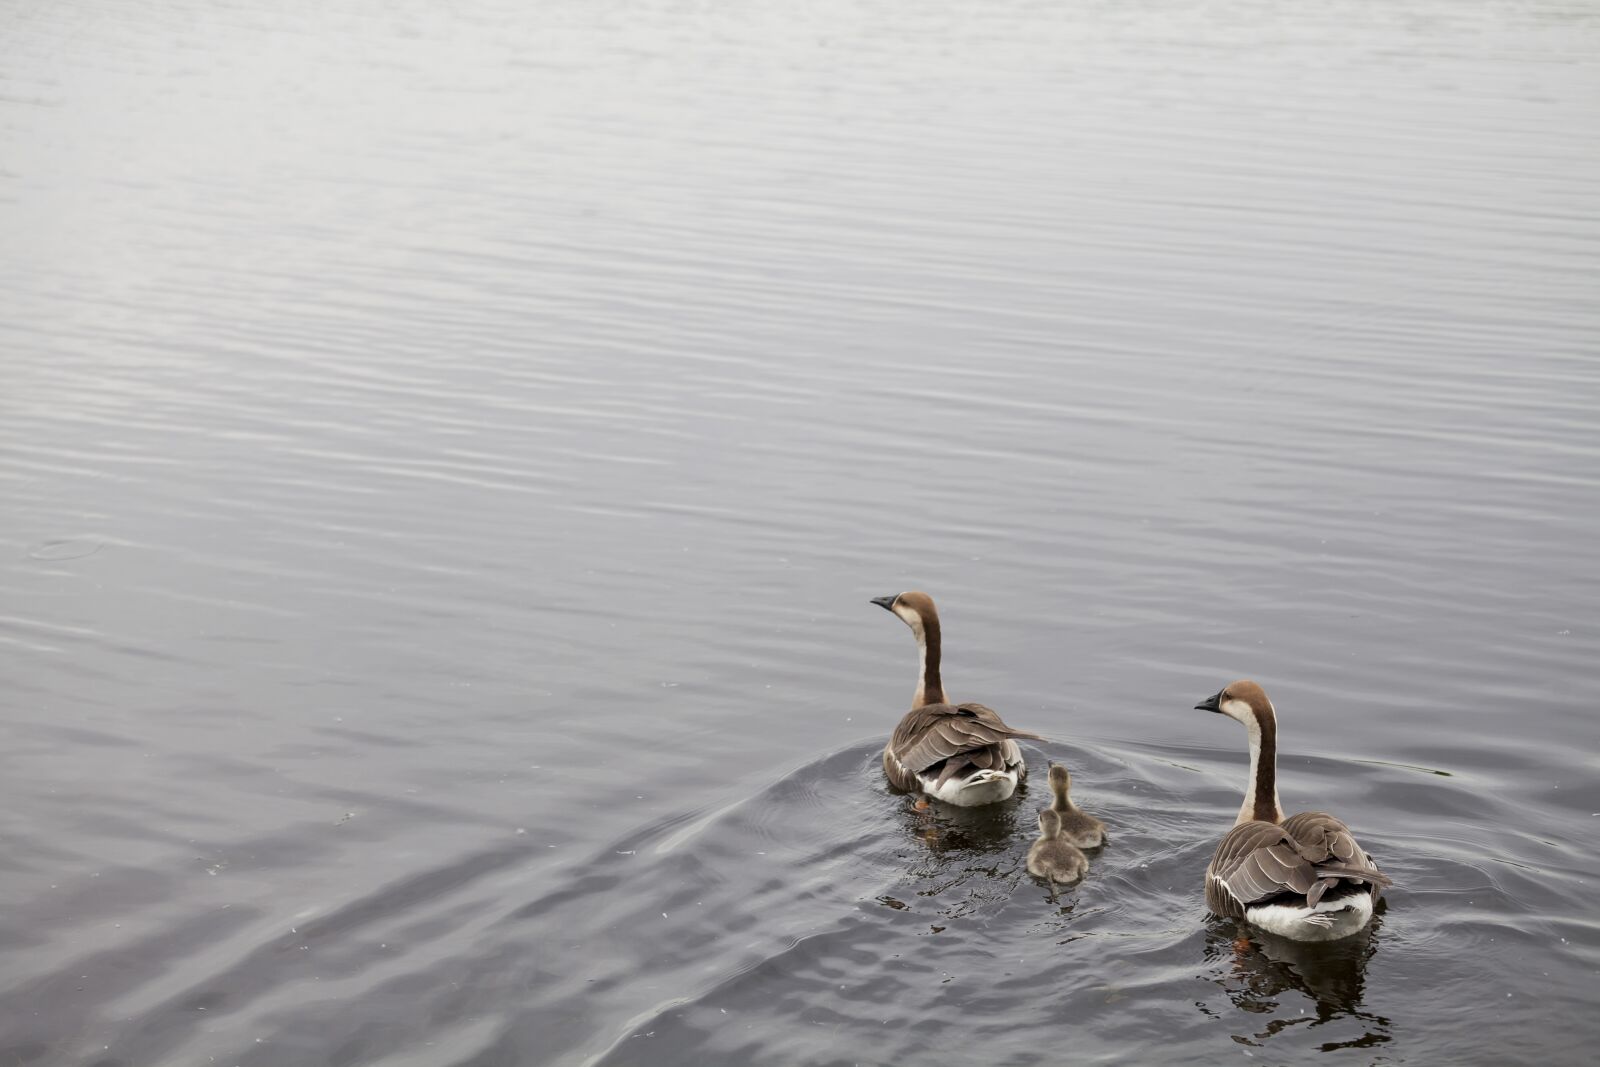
[921, 804]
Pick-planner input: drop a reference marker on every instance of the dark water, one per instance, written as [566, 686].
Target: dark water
[447, 451]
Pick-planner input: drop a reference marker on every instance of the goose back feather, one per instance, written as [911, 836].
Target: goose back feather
[1306, 856]
[963, 737]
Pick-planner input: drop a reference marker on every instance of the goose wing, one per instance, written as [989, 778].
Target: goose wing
[1322, 839]
[1328, 843]
[1254, 861]
[935, 732]
[1259, 860]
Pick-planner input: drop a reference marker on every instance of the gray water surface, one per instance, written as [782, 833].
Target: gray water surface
[446, 452]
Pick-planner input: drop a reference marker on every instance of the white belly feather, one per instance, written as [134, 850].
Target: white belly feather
[982, 787]
[1328, 921]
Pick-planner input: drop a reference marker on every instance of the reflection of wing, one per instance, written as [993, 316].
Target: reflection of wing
[1257, 973]
[1306, 855]
[934, 733]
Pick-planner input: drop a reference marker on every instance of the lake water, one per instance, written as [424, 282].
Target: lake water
[448, 450]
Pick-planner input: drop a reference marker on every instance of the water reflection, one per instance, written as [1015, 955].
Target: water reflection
[951, 831]
[961, 861]
[1258, 971]
[662, 332]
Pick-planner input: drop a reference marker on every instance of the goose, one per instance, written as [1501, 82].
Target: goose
[1304, 877]
[1077, 825]
[1054, 858]
[962, 754]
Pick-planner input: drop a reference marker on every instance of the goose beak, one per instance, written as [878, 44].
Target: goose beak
[1210, 703]
[886, 602]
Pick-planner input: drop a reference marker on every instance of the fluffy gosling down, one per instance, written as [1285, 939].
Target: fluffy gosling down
[1054, 858]
[962, 754]
[1077, 826]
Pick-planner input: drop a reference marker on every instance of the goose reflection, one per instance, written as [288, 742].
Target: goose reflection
[1256, 970]
[947, 830]
[960, 862]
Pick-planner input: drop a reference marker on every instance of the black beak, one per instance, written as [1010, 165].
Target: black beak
[886, 602]
[1210, 703]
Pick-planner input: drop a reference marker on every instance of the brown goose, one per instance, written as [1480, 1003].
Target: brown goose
[1077, 825]
[1303, 877]
[1054, 858]
[963, 754]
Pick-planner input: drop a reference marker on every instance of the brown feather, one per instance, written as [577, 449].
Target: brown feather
[969, 736]
[1307, 854]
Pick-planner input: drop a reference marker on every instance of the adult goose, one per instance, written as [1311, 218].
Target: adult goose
[1303, 877]
[962, 754]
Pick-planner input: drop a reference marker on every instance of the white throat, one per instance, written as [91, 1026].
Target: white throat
[914, 620]
[1238, 709]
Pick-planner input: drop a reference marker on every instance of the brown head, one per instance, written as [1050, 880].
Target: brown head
[1049, 823]
[915, 609]
[1243, 700]
[1060, 780]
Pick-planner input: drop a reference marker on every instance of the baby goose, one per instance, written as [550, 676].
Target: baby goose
[1053, 857]
[1077, 826]
[1304, 877]
[962, 754]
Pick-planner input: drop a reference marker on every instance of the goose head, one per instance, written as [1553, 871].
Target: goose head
[1049, 823]
[1244, 701]
[1060, 779]
[914, 608]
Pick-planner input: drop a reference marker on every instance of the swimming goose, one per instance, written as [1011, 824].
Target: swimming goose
[963, 754]
[1053, 857]
[1304, 877]
[1077, 825]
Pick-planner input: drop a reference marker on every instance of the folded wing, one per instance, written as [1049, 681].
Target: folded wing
[1307, 855]
[964, 737]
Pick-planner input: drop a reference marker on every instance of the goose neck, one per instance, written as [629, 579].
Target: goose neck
[1261, 794]
[930, 690]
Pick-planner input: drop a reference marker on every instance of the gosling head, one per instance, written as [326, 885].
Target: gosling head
[1049, 823]
[915, 609]
[1060, 780]
[1243, 700]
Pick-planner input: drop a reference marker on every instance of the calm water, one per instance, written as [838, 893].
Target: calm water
[447, 452]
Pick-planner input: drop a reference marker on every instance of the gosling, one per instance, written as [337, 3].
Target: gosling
[1077, 826]
[1054, 858]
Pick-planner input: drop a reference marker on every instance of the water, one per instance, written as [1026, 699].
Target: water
[448, 451]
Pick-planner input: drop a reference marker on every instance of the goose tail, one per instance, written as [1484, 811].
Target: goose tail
[1365, 874]
[1328, 877]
